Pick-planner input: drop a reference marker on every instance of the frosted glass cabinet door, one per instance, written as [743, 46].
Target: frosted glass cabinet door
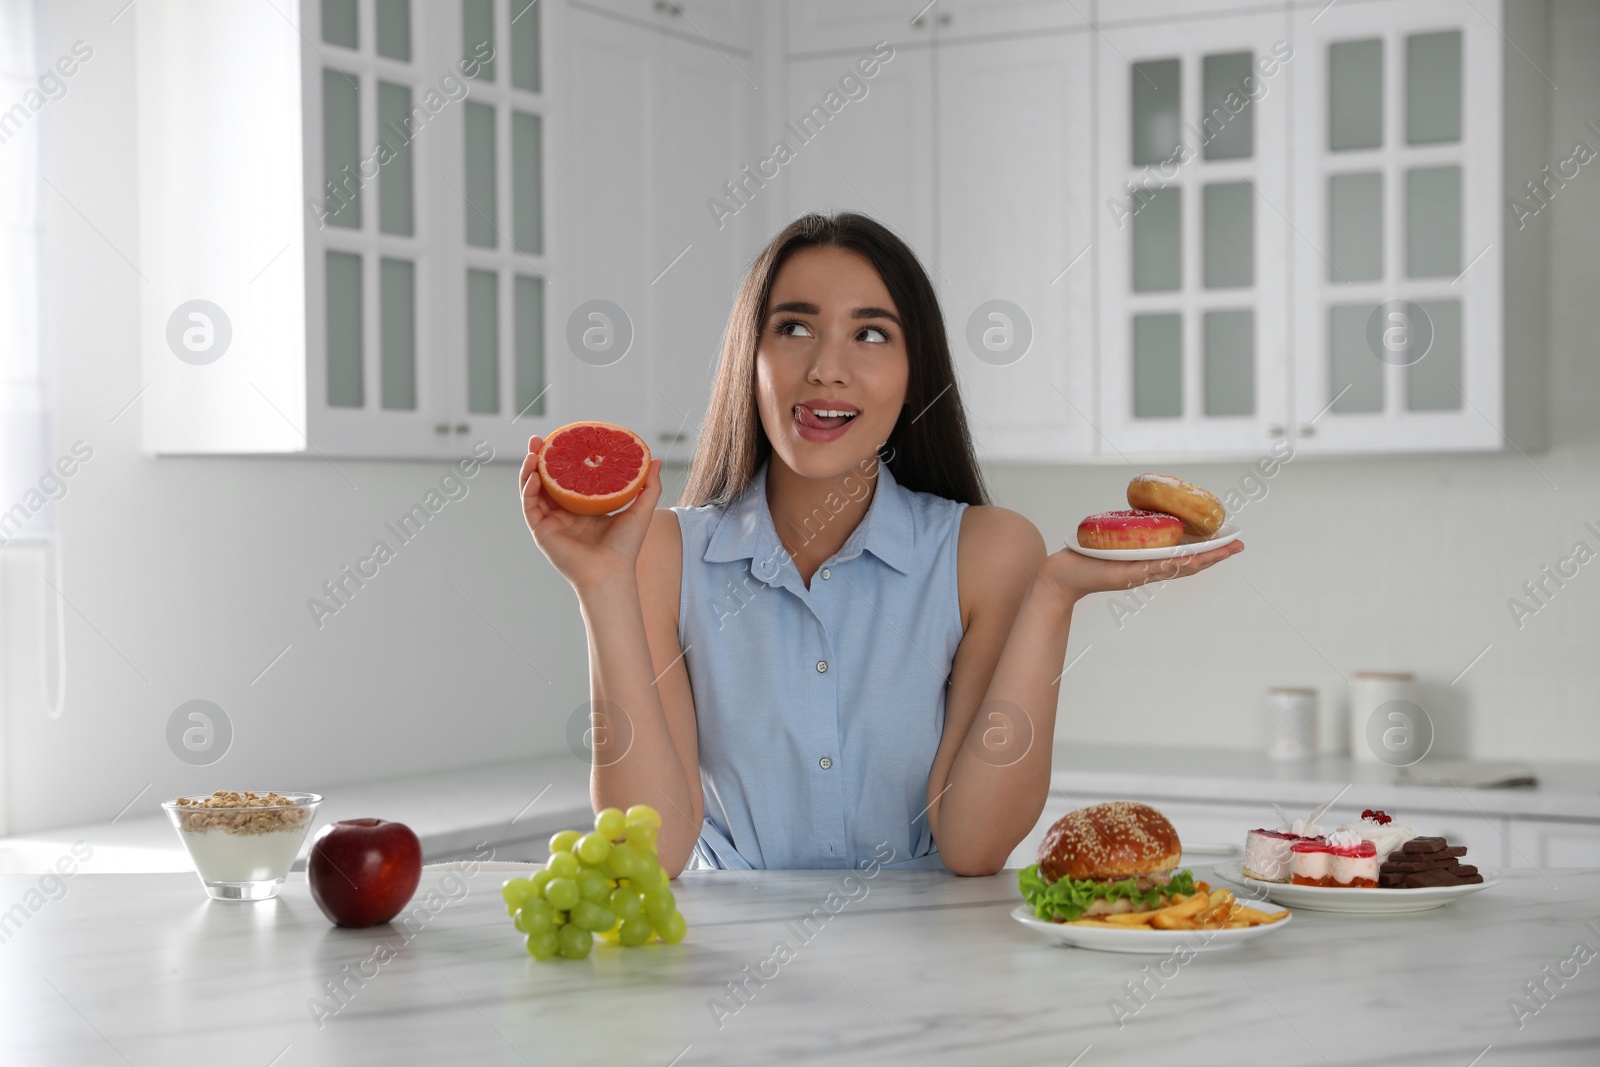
[1191, 235]
[429, 276]
[1398, 281]
[374, 385]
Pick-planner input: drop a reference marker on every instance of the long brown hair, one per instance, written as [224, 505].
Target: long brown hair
[929, 450]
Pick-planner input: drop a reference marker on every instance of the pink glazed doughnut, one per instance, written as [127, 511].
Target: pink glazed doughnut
[1129, 529]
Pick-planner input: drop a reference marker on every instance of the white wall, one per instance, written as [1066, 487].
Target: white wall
[187, 576]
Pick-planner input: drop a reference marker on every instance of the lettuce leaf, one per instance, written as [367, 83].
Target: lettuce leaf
[1068, 899]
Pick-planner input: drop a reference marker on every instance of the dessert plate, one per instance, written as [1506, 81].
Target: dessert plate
[1357, 901]
[1144, 939]
[1190, 546]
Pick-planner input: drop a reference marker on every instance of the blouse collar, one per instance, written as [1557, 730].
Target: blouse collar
[746, 530]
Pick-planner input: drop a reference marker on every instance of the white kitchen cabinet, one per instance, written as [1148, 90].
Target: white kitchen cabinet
[866, 156]
[435, 306]
[1192, 222]
[1549, 843]
[701, 139]
[666, 202]
[347, 226]
[1208, 307]
[822, 25]
[1409, 331]
[959, 19]
[1014, 107]
[714, 22]
[1376, 315]
[1123, 12]
[831, 25]
[1015, 272]
[664, 215]
[607, 309]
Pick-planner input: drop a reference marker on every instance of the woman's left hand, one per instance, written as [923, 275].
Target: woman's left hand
[1076, 576]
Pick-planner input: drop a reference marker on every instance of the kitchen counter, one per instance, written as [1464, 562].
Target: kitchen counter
[915, 967]
[1565, 790]
[518, 804]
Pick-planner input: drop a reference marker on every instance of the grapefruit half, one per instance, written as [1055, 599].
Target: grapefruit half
[593, 468]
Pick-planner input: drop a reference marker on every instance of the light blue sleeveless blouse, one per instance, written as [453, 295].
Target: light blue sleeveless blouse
[819, 710]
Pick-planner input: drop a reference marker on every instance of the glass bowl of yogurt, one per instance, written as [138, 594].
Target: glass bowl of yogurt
[242, 844]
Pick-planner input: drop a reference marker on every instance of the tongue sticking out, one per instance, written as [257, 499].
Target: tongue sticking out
[821, 421]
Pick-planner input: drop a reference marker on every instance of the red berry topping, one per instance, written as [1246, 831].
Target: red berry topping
[1376, 816]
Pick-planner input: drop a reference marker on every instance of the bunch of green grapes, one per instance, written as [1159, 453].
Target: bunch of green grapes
[609, 882]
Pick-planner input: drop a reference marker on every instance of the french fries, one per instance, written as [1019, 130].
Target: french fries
[1131, 918]
[1255, 917]
[1206, 909]
[1180, 916]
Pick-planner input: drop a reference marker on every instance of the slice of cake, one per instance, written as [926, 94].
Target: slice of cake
[1345, 860]
[1386, 835]
[1266, 854]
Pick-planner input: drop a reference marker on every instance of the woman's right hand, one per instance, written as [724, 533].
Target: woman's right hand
[588, 550]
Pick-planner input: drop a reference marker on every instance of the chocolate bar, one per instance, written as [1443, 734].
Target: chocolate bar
[1423, 844]
[1426, 863]
[1423, 863]
[1436, 879]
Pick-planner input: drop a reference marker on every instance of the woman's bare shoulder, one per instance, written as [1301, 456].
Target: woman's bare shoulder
[661, 568]
[998, 549]
[986, 529]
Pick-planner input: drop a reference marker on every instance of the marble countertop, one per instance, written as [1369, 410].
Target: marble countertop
[519, 801]
[908, 967]
[524, 801]
[1565, 790]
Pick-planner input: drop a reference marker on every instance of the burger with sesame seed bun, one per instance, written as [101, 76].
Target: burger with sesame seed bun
[1103, 860]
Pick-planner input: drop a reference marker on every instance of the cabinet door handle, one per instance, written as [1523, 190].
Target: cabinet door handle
[669, 8]
[462, 427]
[672, 437]
[1307, 431]
[1274, 431]
[441, 427]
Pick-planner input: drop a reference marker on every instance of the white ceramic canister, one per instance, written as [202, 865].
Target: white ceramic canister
[1291, 722]
[1369, 691]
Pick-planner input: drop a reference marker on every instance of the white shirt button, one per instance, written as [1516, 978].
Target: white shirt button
[824, 763]
[826, 574]
[822, 666]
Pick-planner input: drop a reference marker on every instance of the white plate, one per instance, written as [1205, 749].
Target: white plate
[1189, 546]
[1360, 901]
[1143, 938]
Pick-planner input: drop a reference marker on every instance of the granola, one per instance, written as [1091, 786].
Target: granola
[242, 813]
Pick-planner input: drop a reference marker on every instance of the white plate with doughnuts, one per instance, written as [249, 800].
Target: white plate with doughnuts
[1189, 546]
[1169, 518]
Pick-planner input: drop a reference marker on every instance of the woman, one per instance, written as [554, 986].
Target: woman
[832, 652]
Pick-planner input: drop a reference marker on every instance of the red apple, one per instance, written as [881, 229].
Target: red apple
[364, 871]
